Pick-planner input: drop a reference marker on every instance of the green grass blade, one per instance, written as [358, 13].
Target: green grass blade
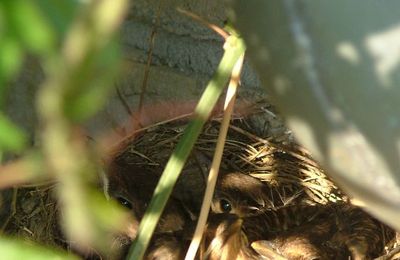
[234, 48]
[15, 249]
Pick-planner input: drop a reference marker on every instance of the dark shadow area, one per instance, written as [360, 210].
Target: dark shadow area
[275, 187]
[335, 81]
[267, 190]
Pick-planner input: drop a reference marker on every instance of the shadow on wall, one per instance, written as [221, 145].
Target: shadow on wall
[335, 81]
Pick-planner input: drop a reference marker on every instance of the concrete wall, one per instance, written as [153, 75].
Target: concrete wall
[185, 55]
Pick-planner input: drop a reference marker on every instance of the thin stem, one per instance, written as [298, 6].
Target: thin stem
[212, 177]
[234, 48]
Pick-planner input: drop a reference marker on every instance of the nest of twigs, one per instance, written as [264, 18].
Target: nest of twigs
[32, 213]
[269, 154]
[284, 165]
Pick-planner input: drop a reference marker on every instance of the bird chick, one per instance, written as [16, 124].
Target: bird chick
[267, 224]
[270, 223]
[316, 231]
[240, 194]
[338, 232]
[224, 239]
[293, 248]
[133, 187]
[168, 246]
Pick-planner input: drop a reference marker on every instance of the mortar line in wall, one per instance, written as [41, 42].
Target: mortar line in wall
[149, 58]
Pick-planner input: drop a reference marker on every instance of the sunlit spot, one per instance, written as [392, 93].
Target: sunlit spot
[357, 156]
[398, 148]
[281, 85]
[348, 52]
[306, 132]
[384, 47]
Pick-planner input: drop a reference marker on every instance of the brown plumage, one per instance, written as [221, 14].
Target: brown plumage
[133, 187]
[336, 232]
[273, 222]
[243, 209]
[241, 194]
[167, 246]
[333, 231]
[224, 239]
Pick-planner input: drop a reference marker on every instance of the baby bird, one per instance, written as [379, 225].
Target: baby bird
[241, 194]
[336, 231]
[133, 187]
[168, 246]
[243, 213]
[354, 235]
[223, 239]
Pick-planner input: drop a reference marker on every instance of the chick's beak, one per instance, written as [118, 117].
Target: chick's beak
[233, 227]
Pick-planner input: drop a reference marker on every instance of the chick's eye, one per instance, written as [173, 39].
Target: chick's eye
[124, 202]
[225, 205]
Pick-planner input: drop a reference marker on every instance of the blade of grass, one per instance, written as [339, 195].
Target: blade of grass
[19, 249]
[212, 176]
[26, 170]
[11, 137]
[234, 48]
[65, 152]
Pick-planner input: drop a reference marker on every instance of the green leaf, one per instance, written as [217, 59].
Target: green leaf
[13, 249]
[59, 14]
[25, 21]
[12, 138]
[109, 215]
[11, 55]
[91, 83]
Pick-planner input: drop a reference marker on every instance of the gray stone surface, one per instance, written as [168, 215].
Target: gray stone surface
[21, 93]
[185, 56]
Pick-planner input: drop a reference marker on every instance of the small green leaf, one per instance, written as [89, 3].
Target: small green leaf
[108, 213]
[11, 56]
[11, 137]
[92, 83]
[59, 14]
[26, 22]
[13, 249]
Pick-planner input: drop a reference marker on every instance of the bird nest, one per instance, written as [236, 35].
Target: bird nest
[258, 145]
[285, 166]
